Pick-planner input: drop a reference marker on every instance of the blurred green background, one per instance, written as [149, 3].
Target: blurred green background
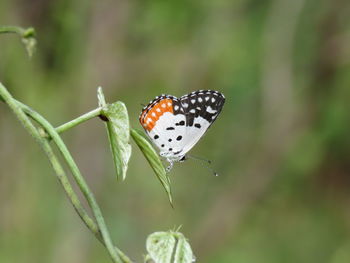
[281, 144]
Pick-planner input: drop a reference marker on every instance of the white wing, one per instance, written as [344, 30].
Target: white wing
[176, 125]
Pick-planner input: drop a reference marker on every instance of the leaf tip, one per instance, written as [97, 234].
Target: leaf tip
[101, 97]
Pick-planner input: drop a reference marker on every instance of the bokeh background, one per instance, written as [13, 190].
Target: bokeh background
[281, 144]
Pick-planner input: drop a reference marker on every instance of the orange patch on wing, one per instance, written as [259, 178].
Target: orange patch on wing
[150, 115]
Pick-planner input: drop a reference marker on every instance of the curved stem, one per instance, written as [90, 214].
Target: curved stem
[44, 123]
[27, 36]
[61, 175]
[17, 107]
[78, 178]
[53, 160]
[87, 116]
[23, 32]
[11, 29]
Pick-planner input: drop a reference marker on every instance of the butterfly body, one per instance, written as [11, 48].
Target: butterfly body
[175, 125]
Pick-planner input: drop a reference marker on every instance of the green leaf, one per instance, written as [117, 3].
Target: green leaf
[183, 253]
[160, 246]
[169, 247]
[118, 133]
[153, 159]
[101, 97]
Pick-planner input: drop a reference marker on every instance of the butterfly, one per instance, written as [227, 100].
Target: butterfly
[175, 125]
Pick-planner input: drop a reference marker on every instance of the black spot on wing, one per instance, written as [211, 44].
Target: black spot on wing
[186, 104]
[170, 128]
[204, 103]
[181, 123]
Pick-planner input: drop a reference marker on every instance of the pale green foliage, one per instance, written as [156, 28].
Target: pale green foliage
[160, 246]
[183, 251]
[169, 247]
[153, 159]
[163, 247]
[27, 37]
[119, 136]
[118, 133]
[29, 41]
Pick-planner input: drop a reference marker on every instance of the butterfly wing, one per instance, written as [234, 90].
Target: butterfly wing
[165, 123]
[201, 109]
[175, 125]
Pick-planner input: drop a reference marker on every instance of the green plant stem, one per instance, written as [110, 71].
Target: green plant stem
[87, 116]
[46, 125]
[27, 36]
[78, 178]
[11, 29]
[17, 107]
[43, 122]
[23, 32]
[52, 158]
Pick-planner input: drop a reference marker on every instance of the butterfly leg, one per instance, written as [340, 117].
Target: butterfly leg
[171, 164]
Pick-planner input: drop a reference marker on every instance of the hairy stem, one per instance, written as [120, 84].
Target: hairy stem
[18, 108]
[85, 117]
[52, 158]
[44, 123]
[79, 179]
[23, 32]
[11, 29]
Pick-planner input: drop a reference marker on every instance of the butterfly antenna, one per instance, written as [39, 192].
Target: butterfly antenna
[205, 162]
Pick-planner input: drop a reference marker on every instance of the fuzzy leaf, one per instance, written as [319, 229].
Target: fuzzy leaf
[183, 253]
[119, 136]
[29, 41]
[101, 97]
[153, 159]
[118, 133]
[169, 247]
[160, 246]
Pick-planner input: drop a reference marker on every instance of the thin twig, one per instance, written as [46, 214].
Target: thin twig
[87, 116]
[114, 252]
[18, 108]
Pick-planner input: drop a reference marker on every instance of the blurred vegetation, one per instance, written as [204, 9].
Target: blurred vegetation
[280, 146]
